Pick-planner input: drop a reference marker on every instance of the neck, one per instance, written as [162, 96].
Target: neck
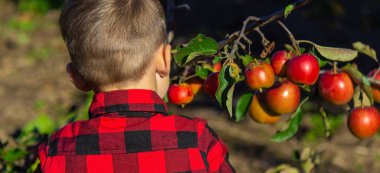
[147, 82]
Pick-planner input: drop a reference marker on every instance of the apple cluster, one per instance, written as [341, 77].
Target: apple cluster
[274, 99]
[276, 85]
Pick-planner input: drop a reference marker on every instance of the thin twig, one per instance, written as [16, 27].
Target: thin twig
[260, 23]
[246, 39]
[264, 40]
[376, 72]
[374, 81]
[242, 45]
[185, 74]
[189, 77]
[241, 35]
[291, 37]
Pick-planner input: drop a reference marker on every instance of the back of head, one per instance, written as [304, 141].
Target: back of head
[112, 41]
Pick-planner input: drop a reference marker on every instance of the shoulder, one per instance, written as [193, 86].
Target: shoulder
[69, 130]
[185, 123]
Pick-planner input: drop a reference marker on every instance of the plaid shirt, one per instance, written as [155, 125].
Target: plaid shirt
[131, 131]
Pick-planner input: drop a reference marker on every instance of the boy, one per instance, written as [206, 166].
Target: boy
[118, 50]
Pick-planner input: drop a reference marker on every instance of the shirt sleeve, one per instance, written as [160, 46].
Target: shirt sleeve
[42, 156]
[214, 151]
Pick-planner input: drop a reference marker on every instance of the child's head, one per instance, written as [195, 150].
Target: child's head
[113, 42]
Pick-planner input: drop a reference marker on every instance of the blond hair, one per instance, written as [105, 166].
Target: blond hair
[112, 41]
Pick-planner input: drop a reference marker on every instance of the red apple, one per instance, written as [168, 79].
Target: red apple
[211, 84]
[364, 122]
[217, 67]
[278, 62]
[282, 98]
[180, 94]
[375, 89]
[259, 75]
[259, 113]
[336, 88]
[303, 69]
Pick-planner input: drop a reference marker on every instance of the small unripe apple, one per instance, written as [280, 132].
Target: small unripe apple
[259, 113]
[375, 89]
[259, 75]
[336, 88]
[303, 69]
[211, 84]
[217, 67]
[180, 94]
[364, 122]
[283, 98]
[278, 62]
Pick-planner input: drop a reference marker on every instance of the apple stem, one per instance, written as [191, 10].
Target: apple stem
[280, 79]
[335, 64]
[256, 61]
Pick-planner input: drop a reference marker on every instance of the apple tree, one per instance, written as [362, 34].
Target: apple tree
[278, 83]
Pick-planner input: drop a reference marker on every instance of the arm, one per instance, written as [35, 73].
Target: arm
[213, 149]
[41, 156]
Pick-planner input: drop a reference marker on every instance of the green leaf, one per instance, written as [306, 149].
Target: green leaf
[224, 93]
[288, 47]
[321, 62]
[288, 10]
[333, 53]
[198, 46]
[360, 98]
[246, 59]
[217, 59]
[360, 80]
[34, 166]
[201, 72]
[242, 106]
[294, 124]
[365, 49]
[366, 81]
[43, 123]
[223, 85]
[302, 50]
[229, 101]
[13, 155]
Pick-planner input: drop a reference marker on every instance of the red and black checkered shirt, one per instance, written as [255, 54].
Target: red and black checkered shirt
[131, 131]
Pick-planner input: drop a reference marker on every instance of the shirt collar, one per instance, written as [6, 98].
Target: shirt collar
[127, 102]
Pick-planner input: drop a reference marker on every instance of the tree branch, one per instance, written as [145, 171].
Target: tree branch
[374, 81]
[291, 37]
[241, 34]
[260, 23]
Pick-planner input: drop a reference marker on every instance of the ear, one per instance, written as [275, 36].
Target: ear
[76, 78]
[163, 59]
